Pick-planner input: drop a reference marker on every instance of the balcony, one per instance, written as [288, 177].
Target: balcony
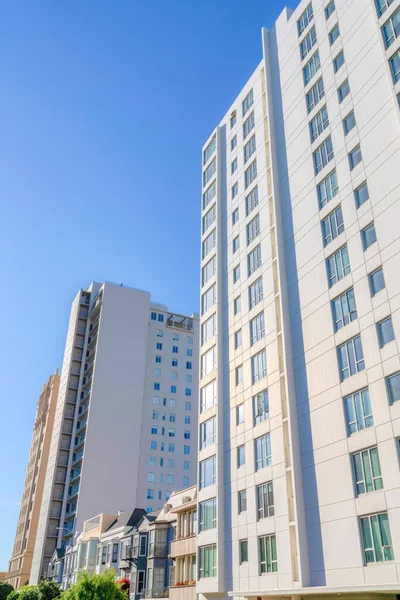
[183, 546]
[180, 322]
[183, 592]
[158, 550]
[155, 593]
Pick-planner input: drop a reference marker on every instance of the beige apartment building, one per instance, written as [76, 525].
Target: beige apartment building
[21, 560]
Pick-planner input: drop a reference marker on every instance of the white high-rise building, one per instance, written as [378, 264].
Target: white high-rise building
[299, 477]
[125, 429]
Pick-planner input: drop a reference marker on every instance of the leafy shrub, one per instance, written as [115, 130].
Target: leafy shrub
[5, 590]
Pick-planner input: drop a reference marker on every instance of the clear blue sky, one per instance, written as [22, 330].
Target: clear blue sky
[104, 107]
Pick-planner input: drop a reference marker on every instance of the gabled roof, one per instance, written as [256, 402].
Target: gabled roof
[127, 519]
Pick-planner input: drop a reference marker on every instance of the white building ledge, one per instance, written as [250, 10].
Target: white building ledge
[384, 588]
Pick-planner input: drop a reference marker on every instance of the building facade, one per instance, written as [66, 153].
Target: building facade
[126, 422]
[20, 563]
[299, 479]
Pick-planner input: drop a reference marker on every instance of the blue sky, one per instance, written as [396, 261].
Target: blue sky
[104, 107]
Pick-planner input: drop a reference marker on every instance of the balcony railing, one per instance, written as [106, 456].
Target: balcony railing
[180, 322]
[155, 593]
[158, 550]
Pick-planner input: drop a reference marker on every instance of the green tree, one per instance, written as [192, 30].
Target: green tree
[46, 590]
[5, 590]
[92, 586]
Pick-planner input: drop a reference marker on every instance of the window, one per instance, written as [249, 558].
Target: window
[395, 66]
[209, 218]
[171, 464]
[169, 479]
[158, 359]
[236, 305]
[344, 309]
[263, 451]
[338, 266]
[171, 447]
[393, 386]
[236, 274]
[248, 125]
[173, 389]
[104, 555]
[367, 471]
[208, 329]
[186, 465]
[235, 190]
[172, 418]
[153, 316]
[155, 414]
[322, 155]
[368, 235]
[376, 281]
[241, 456]
[338, 62]
[157, 372]
[235, 244]
[209, 172]
[249, 148]
[327, 189]
[238, 338]
[189, 352]
[151, 478]
[256, 293]
[210, 149]
[258, 366]
[319, 123]
[243, 552]
[185, 481]
[175, 349]
[172, 403]
[153, 445]
[377, 541]
[187, 420]
[311, 68]
[239, 375]
[233, 119]
[257, 328]
[358, 411]
[186, 435]
[385, 332]
[208, 514]
[208, 271]
[209, 194]
[250, 174]
[261, 407]
[330, 9]
[171, 432]
[150, 494]
[361, 194]
[161, 318]
[351, 358]
[159, 346]
[316, 93]
[332, 225]
[265, 500]
[160, 333]
[235, 216]
[349, 122]
[208, 361]
[308, 43]
[251, 200]
[253, 229]
[234, 165]
[333, 35]
[234, 142]
[305, 19]
[208, 396]
[242, 501]
[208, 472]
[208, 299]
[247, 102]
[344, 91]
[254, 260]
[188, 365]
[240, 414]
[186, 449]
[355, 157]
[153, 430]
[382, 5]
[152, 461]
[268, 559]
[208, 433]
[209, 243]
[207, 561]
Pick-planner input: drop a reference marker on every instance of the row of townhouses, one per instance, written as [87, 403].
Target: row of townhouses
[155, 552]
